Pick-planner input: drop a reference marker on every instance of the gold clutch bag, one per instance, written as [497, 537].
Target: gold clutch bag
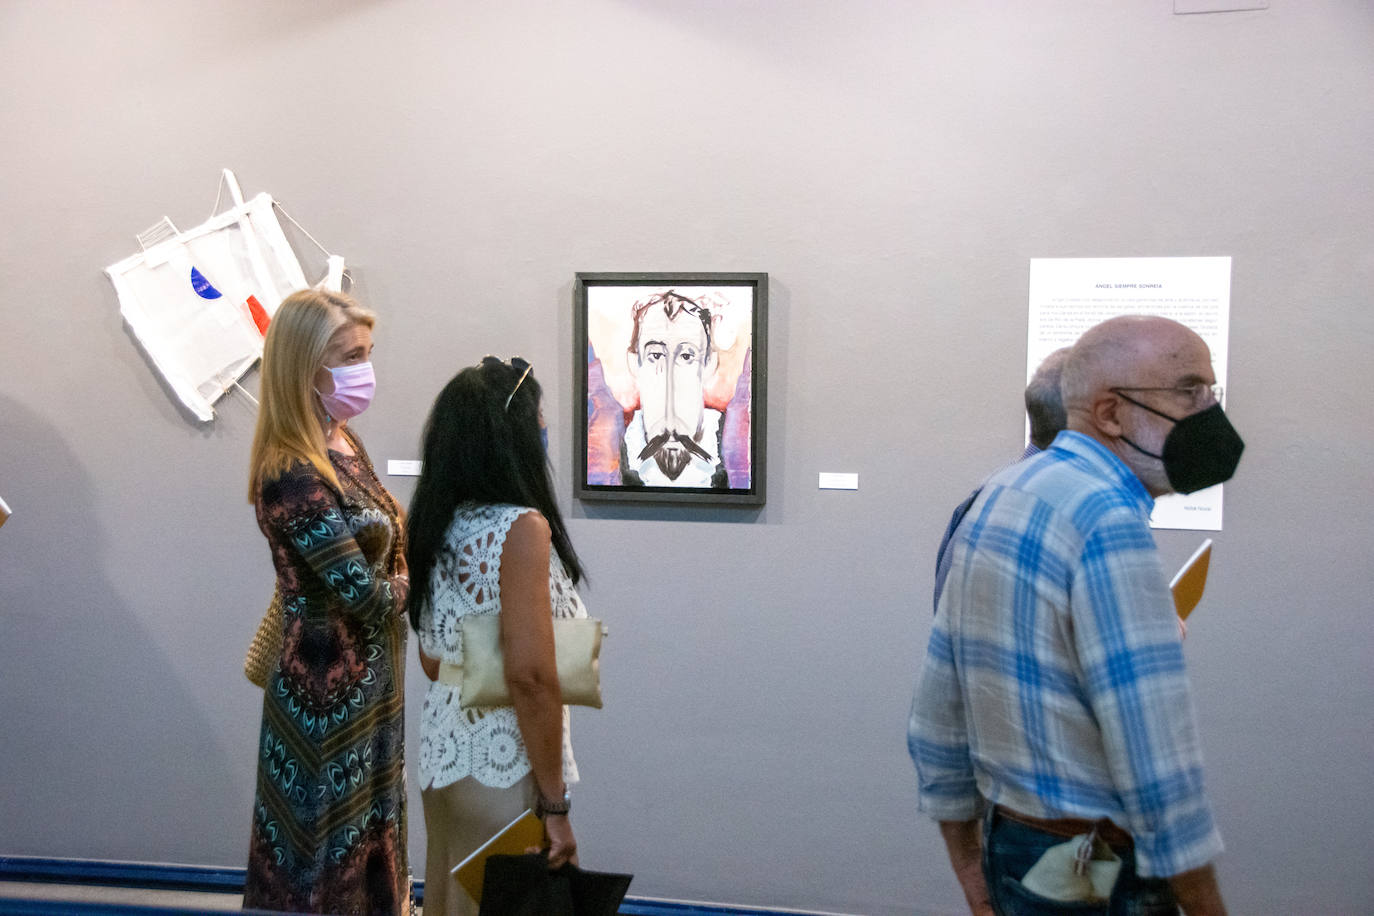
[265, 648]
[577, 645]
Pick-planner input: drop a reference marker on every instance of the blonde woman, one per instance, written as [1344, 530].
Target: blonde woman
[329, 826]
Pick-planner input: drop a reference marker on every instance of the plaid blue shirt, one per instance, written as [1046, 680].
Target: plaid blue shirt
[1054, 681]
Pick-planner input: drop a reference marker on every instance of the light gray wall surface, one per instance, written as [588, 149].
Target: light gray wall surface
[893, 167]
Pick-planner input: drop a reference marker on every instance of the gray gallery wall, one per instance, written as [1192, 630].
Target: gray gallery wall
[893, 167]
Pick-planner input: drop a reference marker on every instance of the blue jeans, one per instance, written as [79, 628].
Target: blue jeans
[1011, 848]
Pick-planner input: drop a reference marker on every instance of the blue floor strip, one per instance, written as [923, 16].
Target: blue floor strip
[122, 874]
[17, 906]
[210, 879]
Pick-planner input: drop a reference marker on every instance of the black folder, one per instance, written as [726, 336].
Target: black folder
[524, 886]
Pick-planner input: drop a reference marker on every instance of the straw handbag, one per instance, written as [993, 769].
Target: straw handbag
[265, 648]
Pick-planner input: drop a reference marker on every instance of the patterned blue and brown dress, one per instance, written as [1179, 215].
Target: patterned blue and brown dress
[329, 825]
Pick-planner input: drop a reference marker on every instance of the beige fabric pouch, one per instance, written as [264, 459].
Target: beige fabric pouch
[482, 676]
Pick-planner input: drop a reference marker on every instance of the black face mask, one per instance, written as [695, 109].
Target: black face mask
[1201, 451]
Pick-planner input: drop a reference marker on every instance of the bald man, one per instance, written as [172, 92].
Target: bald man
[1053, 698]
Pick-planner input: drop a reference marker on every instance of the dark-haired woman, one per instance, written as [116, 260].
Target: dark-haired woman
[485, 537]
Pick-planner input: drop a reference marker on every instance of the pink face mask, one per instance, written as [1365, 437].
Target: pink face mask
[353, 389]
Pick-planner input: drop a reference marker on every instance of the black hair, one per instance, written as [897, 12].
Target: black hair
[478, 449]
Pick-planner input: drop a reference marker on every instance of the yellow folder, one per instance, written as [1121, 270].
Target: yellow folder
[1190, 579]
[524, 832]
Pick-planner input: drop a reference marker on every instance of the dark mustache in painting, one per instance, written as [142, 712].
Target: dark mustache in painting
[669, 460]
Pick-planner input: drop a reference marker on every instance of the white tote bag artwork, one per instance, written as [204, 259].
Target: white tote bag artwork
[200, 301]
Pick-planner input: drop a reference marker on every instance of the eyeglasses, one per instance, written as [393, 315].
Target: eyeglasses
[1197, 394]
[517, 363]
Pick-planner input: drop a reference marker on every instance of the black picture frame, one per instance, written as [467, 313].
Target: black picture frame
[725, 459]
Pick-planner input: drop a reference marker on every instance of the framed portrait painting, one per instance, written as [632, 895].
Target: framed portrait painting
[671, 382]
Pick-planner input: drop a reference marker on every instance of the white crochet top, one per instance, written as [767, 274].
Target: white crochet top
[483, 742]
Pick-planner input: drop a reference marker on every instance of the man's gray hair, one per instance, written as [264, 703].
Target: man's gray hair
[1044, 402]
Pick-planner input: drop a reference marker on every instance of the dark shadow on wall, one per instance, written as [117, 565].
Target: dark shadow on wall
[106, 752]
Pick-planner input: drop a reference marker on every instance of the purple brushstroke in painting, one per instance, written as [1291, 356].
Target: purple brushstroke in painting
[605, 426]
[734, 445]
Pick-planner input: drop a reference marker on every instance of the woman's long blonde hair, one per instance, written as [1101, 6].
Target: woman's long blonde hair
[289, 427]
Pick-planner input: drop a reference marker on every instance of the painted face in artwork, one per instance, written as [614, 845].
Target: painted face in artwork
[671, 367]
